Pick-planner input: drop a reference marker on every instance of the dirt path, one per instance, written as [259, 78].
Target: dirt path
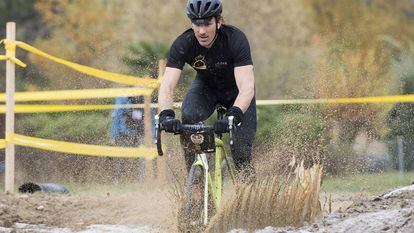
[152, 210]
[149, 207]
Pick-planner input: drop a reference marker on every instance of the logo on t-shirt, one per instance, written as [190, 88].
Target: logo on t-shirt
[199, 63]
[221, 64]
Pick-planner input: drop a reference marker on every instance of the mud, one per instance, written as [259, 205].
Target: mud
[145, 210]
[391, 212]
[151, 210]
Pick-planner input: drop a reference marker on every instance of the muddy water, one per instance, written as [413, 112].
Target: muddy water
[24, 228]
[393, 212]
[152, 211]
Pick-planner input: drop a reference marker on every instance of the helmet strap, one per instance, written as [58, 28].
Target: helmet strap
[216, 34]
[212, 42]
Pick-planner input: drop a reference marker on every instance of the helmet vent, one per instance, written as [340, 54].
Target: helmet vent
[207, 6]
[192, 7]
[199, 6]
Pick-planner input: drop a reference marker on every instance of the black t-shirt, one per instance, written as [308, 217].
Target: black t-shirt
[214, 65]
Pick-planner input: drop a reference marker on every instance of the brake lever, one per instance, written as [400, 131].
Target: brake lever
[157, 140]
[231, 130]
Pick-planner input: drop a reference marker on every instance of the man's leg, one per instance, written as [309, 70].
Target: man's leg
[198, 105]
[119, 163]
[244, 136]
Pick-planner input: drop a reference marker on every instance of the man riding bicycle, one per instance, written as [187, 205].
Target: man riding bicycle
[221, 56]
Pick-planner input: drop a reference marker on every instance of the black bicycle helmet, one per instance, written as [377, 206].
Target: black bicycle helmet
[201, 11]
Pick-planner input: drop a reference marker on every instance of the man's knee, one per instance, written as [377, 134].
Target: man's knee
[190, 116]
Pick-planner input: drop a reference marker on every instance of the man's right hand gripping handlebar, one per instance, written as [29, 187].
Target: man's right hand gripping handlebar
[165, 121]
[168, 122]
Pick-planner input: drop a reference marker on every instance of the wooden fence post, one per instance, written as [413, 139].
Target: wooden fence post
[155, 169]
[162, 161]
[10, 89]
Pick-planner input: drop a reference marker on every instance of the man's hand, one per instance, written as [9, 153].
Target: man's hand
[168, 121]
[222, 126]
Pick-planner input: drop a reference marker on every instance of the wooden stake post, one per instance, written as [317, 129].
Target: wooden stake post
[10, 89]
[155, 169]
[162, 161]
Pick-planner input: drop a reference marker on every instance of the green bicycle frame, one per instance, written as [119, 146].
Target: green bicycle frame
[216, 188]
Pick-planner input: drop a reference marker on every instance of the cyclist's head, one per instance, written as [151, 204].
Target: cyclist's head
[202, 11]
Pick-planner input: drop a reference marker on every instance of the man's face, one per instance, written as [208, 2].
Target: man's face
[205, 32]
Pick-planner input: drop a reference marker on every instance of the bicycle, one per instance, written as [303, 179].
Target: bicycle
[205, 141]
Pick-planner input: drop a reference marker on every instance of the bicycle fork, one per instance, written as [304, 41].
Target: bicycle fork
[204, 163]
[216, 189]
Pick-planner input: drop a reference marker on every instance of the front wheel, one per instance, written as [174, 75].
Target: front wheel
[193, 212]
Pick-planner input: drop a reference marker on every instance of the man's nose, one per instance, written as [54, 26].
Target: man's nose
[202, 30]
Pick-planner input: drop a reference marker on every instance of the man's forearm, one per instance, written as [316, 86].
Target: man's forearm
[165, 98]
[166, 92]
[245, 83]
[244, 99]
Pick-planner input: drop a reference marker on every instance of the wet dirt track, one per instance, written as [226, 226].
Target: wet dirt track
[153, 212]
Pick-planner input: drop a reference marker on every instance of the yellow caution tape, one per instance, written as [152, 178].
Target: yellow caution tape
[77, 94]
[32, 108]
[82, 149]
[10, 53]
[109, 76]
[71, 108]
[13, 59]
[2, 144]
[360, 100]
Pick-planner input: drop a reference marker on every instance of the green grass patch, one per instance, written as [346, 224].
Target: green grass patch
[374, 183]
[96, 188]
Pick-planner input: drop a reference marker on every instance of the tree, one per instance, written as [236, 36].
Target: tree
[85, 32]
[399, 119]
[356, 61]
[278, 33]
[28, 24]
[143, 57]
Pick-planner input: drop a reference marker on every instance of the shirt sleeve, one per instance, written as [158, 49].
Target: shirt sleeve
[176, 57]
[240, 49]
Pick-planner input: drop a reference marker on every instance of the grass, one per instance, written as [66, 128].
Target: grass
[374, 183]
[96, 188]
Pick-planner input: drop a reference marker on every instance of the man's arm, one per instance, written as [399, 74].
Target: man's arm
[245, 83]
[170, 80]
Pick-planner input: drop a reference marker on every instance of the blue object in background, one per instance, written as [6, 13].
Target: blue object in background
[119, 125]
[2, 166]
[118, 119]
